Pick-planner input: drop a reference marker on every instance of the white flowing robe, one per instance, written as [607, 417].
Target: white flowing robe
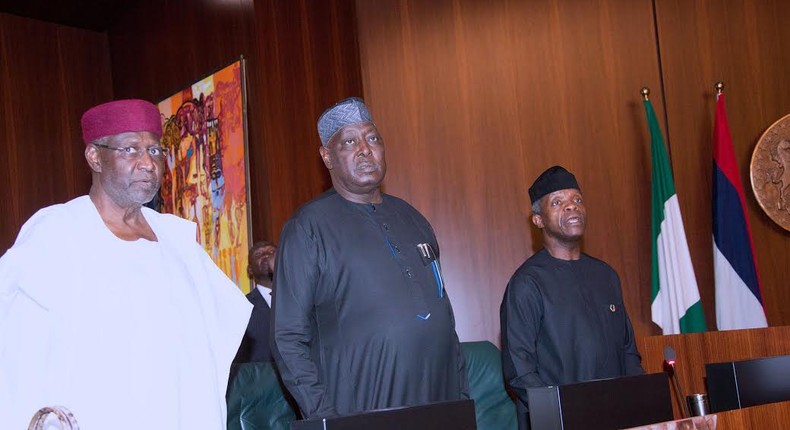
[125, 334]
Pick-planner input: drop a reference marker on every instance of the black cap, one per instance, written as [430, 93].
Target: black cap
[553, 179]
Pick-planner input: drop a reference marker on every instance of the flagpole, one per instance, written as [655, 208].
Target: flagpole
[645, 91]
[719, 87]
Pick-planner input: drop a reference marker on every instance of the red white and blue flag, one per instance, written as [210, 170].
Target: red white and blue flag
[739, 299]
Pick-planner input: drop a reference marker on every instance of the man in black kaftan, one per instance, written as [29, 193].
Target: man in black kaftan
[361, 317]
[562, 317]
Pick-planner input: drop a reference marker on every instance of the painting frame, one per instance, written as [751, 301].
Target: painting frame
[206, 178]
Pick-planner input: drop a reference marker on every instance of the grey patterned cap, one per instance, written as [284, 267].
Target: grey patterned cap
[345, 112]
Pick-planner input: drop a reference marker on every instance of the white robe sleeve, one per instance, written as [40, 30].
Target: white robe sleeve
[28, 288]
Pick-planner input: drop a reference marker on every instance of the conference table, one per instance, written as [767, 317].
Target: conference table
[772, 416]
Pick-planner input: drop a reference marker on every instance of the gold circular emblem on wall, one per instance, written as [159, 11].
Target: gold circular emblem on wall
[770, 172]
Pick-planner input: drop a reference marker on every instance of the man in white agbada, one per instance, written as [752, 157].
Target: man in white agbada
[111, 309]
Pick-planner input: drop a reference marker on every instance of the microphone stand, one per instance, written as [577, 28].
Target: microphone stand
[683, 403]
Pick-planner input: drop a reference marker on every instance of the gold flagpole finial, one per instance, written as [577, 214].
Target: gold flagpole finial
[645, 91]
[719, 87]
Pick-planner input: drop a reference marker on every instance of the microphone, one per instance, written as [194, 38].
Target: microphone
[670, 358]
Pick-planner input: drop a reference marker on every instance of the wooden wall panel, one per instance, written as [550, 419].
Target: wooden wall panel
[475, 99]
[309, 61]
[744, 44]
[301, 57]
[49, 75]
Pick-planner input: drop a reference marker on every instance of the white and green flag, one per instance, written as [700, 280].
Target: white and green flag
[676, 306]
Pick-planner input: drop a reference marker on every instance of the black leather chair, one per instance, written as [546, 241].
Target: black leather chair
[494, 409]
[256, 400]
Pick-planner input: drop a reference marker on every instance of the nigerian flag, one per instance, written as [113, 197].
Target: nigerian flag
[676, 305]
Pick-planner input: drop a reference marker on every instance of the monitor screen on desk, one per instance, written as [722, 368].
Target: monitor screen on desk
[603, 404]
[456, 415]
[740, 384]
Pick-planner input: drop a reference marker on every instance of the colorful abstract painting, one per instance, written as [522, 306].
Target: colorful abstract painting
[206, 176]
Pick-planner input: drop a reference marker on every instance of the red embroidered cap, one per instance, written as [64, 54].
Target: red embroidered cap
[120, 116]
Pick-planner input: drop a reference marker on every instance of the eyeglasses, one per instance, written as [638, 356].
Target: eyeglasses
[133, 152]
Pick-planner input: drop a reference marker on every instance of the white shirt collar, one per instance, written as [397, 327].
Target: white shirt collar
[266, 293]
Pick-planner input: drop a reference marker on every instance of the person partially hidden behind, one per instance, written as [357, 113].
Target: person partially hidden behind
[255, 344]
[111, 309]
[562, 316]
[362, 320]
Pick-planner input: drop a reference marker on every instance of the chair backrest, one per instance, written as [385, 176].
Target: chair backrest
[256, 400]
[495, 410]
